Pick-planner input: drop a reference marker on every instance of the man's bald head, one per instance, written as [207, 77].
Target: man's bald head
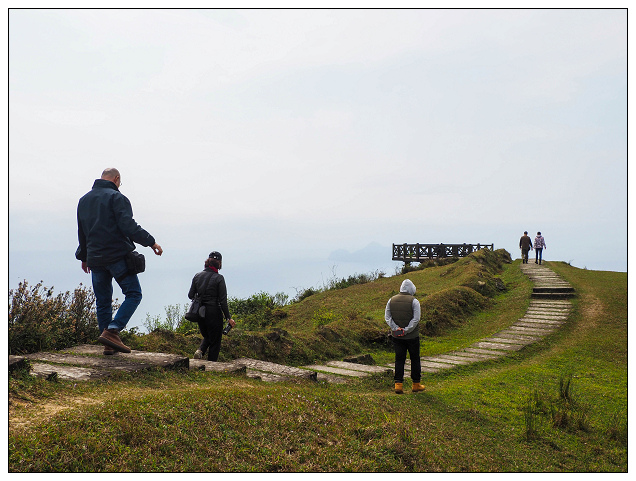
[110, 173]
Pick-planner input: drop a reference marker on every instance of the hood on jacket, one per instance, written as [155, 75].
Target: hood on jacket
[408, 287]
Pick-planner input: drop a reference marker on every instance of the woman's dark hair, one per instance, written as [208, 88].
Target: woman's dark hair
[216, 263]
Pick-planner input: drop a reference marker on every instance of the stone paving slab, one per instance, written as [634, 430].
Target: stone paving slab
[530, 331]
[436, 365]
[498, 346]
[69, 373]
[266, 376]
[448, 359]
[546, 315]
[333, 378]
[534, 325]
[550, 307]
[352, 366]
[157, 359]
[508, 335]
[490, 352]
[505, 340]
[112, 363]
[336, 370]
[475, 357]
[274, 368]
[227, 367]
[538, 320]
[524, 331]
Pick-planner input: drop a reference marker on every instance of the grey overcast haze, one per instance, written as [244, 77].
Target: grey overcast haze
[302, 144]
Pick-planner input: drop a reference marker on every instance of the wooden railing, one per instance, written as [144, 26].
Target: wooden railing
[422, 252]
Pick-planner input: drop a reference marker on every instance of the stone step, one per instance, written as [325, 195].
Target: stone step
[476, 357]
[552, 290]
[539, 320]
[545, 314]
[68, 373]
[86, 362]
[278, 369]
[337, 370]
[499, 346]
[352, 366]
[507, 340]
[505, 334]
[438, 364]
[547, 328]
[455, 360]
[551, 295]
[211, 366]
[556, 304]
[266, 376]
[156, 359]
[533, 331]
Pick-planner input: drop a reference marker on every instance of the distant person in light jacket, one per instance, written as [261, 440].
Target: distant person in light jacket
[539, 245]
[402, 314]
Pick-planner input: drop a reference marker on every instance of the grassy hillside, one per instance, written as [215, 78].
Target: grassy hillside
[556, 406]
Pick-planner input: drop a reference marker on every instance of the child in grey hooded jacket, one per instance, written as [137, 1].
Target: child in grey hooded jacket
[402, 314]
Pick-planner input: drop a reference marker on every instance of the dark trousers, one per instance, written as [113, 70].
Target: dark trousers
[539, 255]
[524, 255]
[212, 331]
[412, 346]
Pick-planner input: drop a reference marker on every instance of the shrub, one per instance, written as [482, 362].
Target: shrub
[433, 262]
[259, 310]
[40, 320]
[353, 280]
[322, 317]
[175, 320]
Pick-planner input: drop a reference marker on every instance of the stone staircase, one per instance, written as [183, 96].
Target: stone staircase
[548, 311]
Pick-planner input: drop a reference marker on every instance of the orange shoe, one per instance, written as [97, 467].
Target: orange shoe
[417, 387]
[399, 388]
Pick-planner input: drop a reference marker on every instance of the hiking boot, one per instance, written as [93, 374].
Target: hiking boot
[108, 351]
[417, 387]
[110, 337]
[399, 388]
[198, 354]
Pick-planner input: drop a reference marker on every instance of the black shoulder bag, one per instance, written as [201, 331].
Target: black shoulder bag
[135, 264]
[196, 312]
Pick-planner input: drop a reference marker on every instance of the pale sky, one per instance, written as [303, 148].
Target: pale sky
[280, 136]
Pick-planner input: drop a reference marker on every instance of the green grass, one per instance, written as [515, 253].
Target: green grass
[500, 416]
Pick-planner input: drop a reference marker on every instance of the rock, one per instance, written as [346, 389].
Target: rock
[362, 359]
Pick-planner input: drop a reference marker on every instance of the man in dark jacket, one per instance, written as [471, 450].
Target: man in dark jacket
[107, 232]
[525, 244]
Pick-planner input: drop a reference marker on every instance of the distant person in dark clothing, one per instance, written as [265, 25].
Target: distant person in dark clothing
[402, 314]
[107, 232]
[525, 244]
[210, 286]
[539, 245]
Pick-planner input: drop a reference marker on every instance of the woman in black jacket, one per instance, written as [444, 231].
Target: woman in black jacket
[210, 286]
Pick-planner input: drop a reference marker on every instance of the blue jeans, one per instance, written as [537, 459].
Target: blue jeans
[103, 288]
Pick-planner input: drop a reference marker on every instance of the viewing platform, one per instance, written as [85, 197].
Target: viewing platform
[423, 252]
